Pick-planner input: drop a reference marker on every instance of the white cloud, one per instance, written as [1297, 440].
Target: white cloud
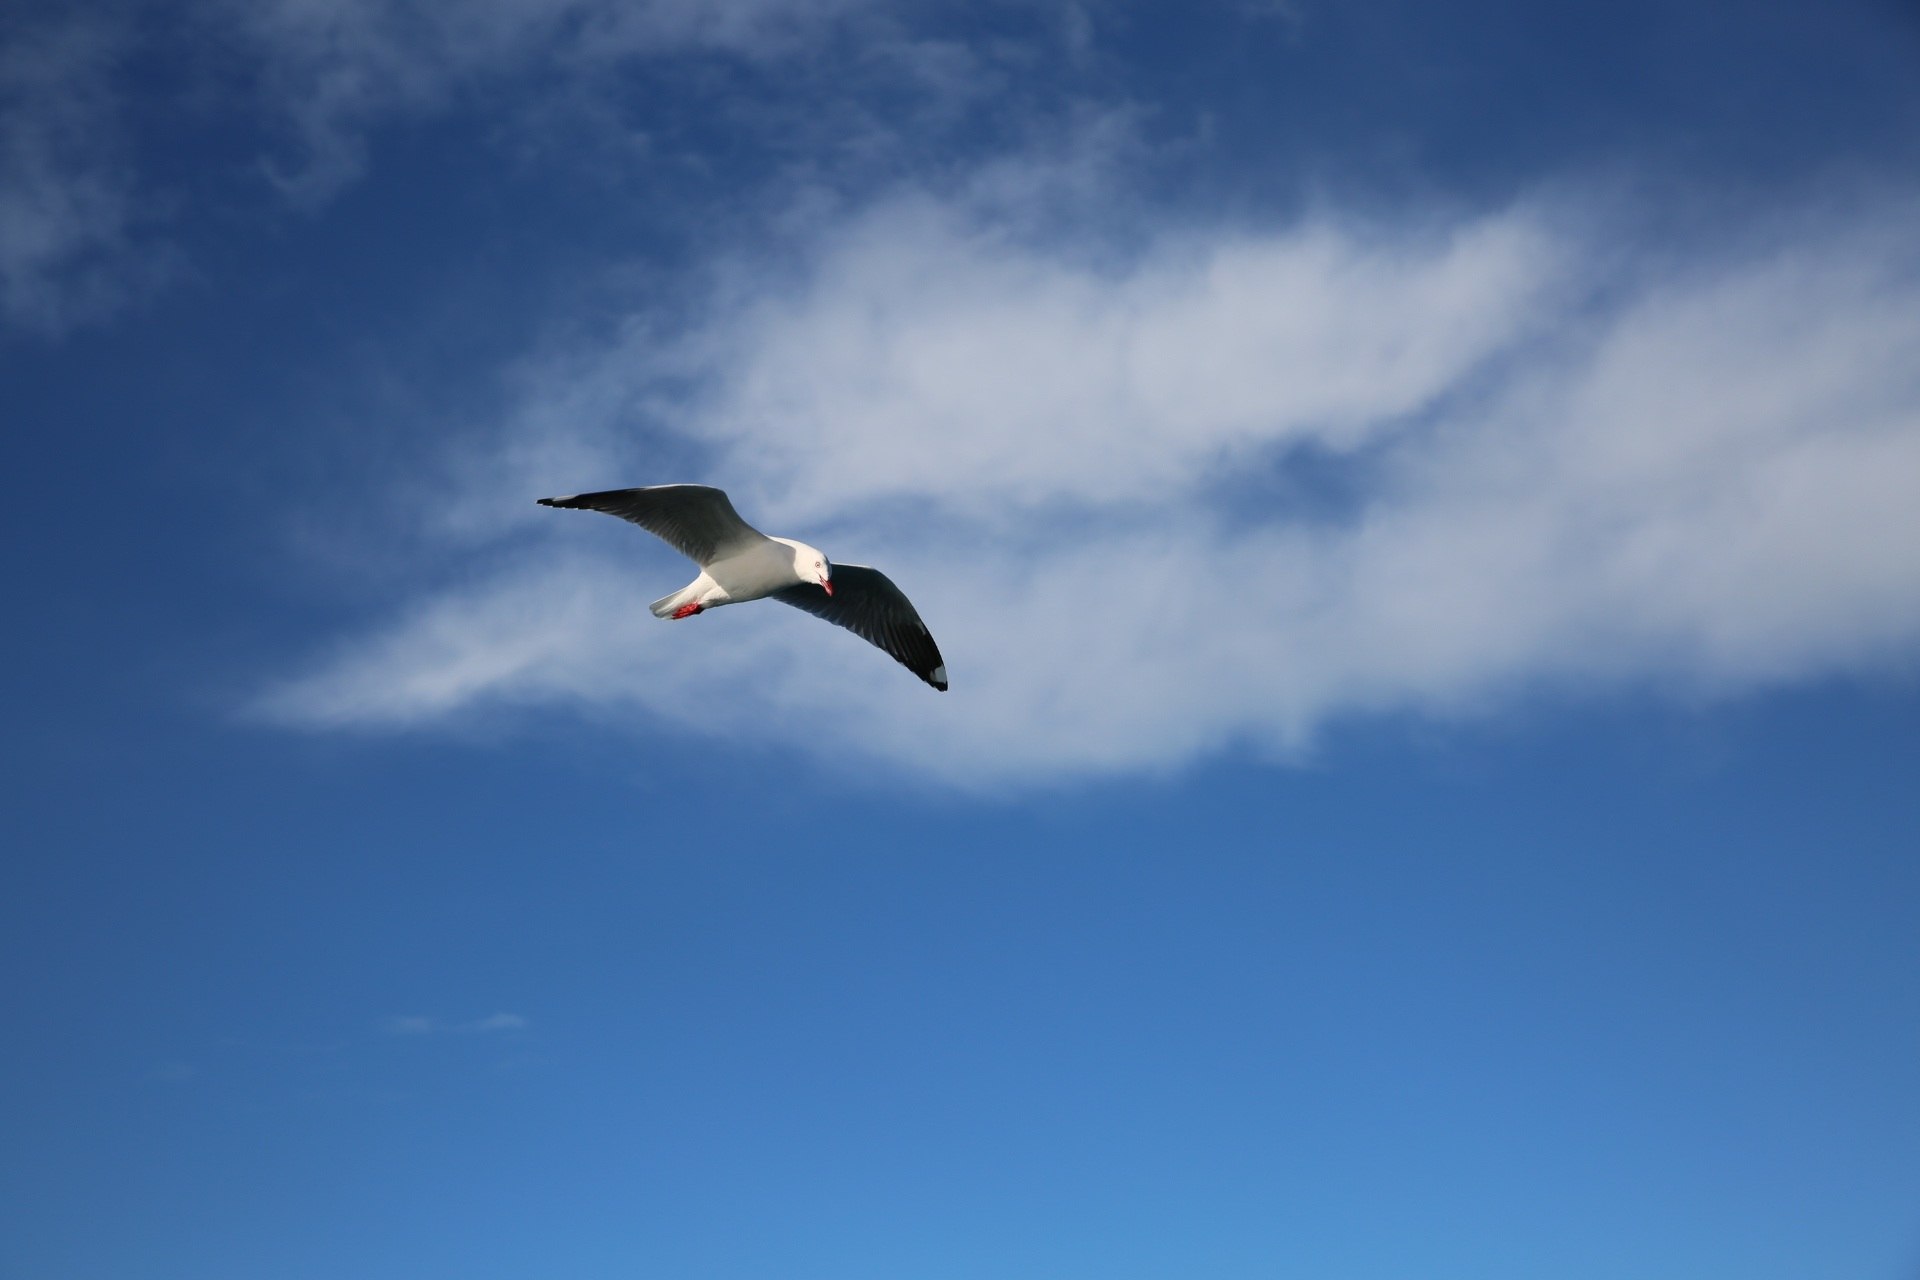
[928, 357]
[1224, 489]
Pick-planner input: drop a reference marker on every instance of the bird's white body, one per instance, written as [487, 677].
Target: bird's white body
[749, 574]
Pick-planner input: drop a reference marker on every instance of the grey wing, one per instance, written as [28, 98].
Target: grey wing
[866, 602]
[696, 519]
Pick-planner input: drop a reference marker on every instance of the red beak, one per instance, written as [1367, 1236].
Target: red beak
[827, 587]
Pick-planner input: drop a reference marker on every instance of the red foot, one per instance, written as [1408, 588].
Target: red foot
[687, 610]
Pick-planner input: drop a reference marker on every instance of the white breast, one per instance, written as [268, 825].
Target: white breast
[758, 571]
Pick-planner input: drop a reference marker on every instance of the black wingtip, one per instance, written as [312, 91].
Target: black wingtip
[556, 502]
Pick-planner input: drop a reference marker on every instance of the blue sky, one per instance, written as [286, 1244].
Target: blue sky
[1416, 501]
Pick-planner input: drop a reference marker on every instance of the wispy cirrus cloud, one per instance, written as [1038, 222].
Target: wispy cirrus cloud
[309, 84]
[1224, 489]
[68, 205]
[336, 71]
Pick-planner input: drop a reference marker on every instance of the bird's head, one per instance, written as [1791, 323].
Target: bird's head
[810, 564]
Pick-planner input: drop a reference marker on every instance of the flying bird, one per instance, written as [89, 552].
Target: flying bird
[739, 563]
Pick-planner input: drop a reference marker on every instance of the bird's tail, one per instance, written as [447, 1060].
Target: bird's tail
[664, 607]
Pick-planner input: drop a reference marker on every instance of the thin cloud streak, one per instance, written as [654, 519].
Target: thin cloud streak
[422, 1025]
[1499, 483]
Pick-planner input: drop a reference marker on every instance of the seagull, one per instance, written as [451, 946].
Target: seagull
[739, 563]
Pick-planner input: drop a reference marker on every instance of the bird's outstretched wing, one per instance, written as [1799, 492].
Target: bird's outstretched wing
[866, 602]
[696, 519]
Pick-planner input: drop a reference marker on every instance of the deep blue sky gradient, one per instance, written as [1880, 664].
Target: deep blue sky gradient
[1623, 994]
[1622, 985]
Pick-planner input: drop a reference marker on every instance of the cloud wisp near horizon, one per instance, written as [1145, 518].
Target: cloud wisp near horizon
[1224, 487]
[419, 1024]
